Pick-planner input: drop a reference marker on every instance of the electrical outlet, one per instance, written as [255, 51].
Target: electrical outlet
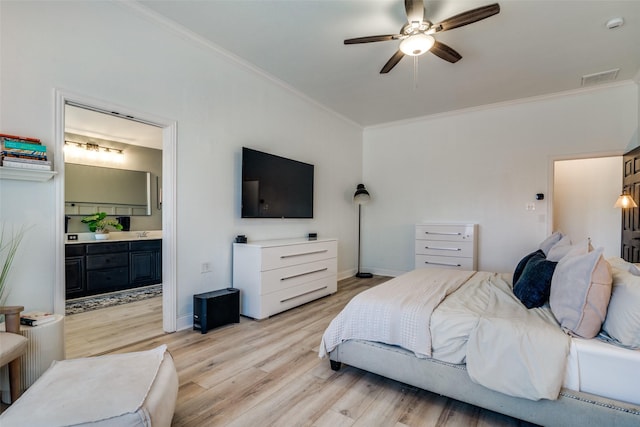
[72, 237]
[531, 206]
[205, 267]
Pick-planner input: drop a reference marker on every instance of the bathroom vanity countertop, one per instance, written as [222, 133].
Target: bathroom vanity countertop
[115, 236]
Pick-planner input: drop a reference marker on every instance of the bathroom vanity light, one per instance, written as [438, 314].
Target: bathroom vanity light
[89, 150]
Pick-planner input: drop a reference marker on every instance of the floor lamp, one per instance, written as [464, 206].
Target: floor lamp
[360, 198]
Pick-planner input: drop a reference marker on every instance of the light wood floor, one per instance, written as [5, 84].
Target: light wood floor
[268, 373]
[96, 332]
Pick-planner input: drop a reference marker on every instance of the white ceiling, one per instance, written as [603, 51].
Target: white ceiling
[530, 48]
[104, 126]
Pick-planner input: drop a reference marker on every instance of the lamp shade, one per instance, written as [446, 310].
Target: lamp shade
[361, 195]
[417, 44]
[625, 201]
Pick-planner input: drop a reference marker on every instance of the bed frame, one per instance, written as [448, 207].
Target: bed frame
[572, 408]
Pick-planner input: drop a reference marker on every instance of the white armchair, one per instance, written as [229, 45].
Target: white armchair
[12, 346]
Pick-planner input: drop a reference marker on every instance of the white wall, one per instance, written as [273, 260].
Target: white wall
[108, 51]
[484, 166]
[584, 192]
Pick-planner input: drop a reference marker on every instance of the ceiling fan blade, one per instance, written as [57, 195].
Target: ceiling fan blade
[415, 10]
[392, 62]
[445, 52]
[468, 17]
[370, 39]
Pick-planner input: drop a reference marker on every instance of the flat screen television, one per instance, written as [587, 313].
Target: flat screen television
[275, 187]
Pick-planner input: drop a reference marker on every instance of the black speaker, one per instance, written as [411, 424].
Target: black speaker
[216, 308]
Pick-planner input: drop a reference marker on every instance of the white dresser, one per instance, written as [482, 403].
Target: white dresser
[446, 246]
[277, 275]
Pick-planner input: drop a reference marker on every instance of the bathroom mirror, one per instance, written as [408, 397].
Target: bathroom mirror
[90, 189]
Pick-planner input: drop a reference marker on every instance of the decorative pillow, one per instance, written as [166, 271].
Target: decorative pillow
[580, 293]
[560, 249]
[550, 241]
[533, 286]
[623, 315]
[565, 248]
[617, 262]
[523, 262]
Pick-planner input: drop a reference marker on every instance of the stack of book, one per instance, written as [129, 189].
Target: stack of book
[24, 153]
[36, 318]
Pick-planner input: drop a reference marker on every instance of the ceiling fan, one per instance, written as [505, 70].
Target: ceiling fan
[417, 35]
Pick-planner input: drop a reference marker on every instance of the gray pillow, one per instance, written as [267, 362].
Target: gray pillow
[580, 293]
[623, 315]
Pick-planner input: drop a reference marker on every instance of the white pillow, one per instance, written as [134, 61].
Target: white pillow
[580, 293]
[565, 248]
[618, 262]
[623, 316]
[547, 243]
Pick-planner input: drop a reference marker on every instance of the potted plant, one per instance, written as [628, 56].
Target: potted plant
[8, 249]
[99, 224]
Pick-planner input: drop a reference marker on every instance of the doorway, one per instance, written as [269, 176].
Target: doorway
[167, 183]
[584, 192]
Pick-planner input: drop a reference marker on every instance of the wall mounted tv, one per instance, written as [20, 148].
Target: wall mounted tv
[275, 187]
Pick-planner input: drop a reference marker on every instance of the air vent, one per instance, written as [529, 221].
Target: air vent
[602, 77]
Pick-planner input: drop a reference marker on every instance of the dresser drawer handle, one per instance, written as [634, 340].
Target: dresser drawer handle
[302, 254]
[303, 274]
[301, 295]
[443, 233]
[443, 263]
[442, 249]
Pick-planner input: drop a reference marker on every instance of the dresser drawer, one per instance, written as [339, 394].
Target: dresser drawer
[445, 248]
[103, 248]
[284, 256]
[288, 277]
[425, 261]
[74, 250]
[107, 279]
[145, 245]
[95, 262]
[293, 297]
[449, 232]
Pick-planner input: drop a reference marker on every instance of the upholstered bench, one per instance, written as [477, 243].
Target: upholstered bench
[130, 389]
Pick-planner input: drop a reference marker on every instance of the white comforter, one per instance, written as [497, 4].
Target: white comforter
[396, 312]
[506, 347]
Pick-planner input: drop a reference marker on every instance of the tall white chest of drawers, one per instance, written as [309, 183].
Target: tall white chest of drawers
[276, 275]
[446, 246]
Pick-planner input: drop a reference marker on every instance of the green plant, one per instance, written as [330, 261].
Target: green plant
[99, 222]
[8, 251]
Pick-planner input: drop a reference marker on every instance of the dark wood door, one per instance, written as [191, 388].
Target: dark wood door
[631, 216]
[144, 268]
[145, 261]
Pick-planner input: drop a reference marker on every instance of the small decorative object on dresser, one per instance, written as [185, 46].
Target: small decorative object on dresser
[446, 246]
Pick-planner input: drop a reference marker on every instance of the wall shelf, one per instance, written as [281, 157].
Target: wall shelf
[26, 174]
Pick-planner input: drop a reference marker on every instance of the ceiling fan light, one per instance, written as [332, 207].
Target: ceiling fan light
[417, 44]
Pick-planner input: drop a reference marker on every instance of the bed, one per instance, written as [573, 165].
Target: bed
[573, 358]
